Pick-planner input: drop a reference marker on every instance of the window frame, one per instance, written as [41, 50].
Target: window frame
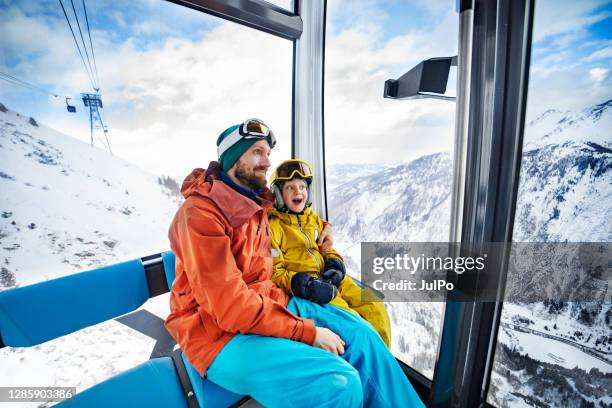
[495, 127]
[257, 14]
[485, 176]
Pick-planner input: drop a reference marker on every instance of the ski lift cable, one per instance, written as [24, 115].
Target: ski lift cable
[19, 82]
[101, 141]
[27, 86]
[76, 42]
[16, 81]
[106, 137]
[104, 127]
[93, 55]
[104, 130]
[107, 142]
[76, 17]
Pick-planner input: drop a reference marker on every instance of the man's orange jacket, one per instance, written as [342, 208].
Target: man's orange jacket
[223, 268]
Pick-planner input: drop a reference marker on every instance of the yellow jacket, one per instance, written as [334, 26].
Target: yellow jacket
[290, 235]
[294, 249]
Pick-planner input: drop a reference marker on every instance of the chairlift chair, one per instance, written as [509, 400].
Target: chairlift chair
[69, 107]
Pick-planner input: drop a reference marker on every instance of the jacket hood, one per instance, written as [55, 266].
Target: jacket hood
[236, 207]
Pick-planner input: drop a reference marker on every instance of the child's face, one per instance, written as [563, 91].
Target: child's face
[295, 194]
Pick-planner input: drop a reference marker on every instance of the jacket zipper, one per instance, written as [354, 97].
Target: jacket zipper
[309, 242]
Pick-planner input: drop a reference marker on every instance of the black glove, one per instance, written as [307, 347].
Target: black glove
[316, 290]
[333, 276]
[334, 271]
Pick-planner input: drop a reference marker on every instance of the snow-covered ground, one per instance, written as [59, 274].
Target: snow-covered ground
[551, 351]
[403, 202]
[66, 207]
[564, 195]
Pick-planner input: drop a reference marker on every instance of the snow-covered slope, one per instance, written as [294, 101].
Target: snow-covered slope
[559, 353]
[405, 202]
[66, 207]
[565, 187]
[564, 195]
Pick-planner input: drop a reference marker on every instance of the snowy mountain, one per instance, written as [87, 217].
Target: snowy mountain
[405, 202]
[564, 195]
[341, 173]
[559, 353]
[70, 207]
[66, 207]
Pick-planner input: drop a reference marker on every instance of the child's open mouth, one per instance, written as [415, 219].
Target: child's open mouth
[297, 201]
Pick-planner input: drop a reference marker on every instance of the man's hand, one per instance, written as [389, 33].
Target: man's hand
[329, 341]
[325, 241]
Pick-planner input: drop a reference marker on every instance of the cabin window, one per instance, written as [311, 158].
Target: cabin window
[559, 352]
[170, 79]
[389, 162]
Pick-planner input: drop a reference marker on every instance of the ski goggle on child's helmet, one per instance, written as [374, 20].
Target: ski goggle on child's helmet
[250, 129]
[289, 169]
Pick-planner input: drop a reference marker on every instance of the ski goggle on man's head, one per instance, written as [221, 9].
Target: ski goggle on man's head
[250, 129]
[289, 169]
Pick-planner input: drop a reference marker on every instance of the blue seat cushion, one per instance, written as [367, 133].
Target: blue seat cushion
[207, 392]
[151, 384]
[33, 314]
[169, 260]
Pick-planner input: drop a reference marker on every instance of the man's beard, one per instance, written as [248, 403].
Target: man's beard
[249, 178]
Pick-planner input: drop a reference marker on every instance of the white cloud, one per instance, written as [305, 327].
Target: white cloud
[197, 88]
[165, 106]
[362, 126]
[569, 87]
[556, 17]
[598, 75]
[560, 77]
[603, 53]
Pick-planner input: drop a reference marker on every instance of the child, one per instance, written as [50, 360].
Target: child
[300, 268]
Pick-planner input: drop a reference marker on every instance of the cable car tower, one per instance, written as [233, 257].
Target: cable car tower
[93, 102]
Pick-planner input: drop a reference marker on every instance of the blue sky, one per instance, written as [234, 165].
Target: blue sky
[581, 41]
[390, 18]
[170, 75]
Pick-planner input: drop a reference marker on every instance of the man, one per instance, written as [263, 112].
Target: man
[237, 327]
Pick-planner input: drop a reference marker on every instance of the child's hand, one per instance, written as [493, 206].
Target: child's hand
[325, 241]
[334, 271]
[315, 290]
[320, 291]
[333, 276]
[328, 340]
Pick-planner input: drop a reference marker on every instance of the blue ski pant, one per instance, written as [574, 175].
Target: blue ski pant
[279, 372]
